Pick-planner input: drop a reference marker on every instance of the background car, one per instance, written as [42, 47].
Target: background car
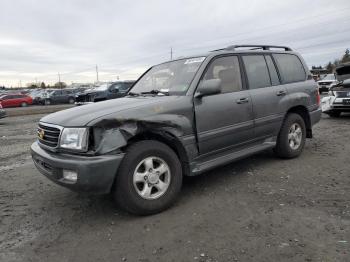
[15, 100]
[2, 112]
[326, 83]
[59, 96]
[104, 92]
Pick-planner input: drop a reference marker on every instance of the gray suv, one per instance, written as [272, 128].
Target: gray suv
[181, 118]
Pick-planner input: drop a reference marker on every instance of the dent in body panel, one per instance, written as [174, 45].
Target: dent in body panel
[111, 134]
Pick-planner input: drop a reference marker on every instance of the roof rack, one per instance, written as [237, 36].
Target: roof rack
[255, 47]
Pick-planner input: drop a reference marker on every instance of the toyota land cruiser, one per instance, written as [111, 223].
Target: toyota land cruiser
[181, 118]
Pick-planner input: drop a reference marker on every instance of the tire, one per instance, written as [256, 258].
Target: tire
[334, 114]
[290, 144]
[47, 102]
[24, 104]
[71, 100]
[127, 193]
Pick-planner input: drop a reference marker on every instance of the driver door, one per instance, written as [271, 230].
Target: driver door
[224, 121]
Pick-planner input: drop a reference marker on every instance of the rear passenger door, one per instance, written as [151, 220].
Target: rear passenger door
[267, 93]
[225, 120]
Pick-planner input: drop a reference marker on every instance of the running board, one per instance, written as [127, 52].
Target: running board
[207, 164]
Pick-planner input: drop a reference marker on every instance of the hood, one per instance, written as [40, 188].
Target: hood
[121, 107]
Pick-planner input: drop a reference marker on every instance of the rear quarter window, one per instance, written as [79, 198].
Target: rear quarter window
[290, 67]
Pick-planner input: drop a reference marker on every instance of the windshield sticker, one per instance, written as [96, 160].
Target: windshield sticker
[194, 60]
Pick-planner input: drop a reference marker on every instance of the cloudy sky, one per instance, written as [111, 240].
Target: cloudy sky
[39, 38]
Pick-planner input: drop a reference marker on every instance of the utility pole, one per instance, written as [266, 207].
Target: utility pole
[59, 80]
[171, 53]
[96, 74]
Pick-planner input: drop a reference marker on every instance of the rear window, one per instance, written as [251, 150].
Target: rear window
[290, 68]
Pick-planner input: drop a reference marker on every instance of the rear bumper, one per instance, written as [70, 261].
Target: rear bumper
[315, 116]
[95, 174]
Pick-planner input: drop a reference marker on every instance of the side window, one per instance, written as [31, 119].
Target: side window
[115, 88]
[256, 70]
[290, 68]
[273, 72]
[124, 87]
[227, 70]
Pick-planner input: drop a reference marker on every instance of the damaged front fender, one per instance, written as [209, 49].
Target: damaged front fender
[112, 134]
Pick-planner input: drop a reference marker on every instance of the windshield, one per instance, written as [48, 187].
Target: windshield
[172, 77]
[103, 87]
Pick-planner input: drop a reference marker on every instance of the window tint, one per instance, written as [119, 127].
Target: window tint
[290, 68]
[227, 70]
[272, 69]
[257, 73]
[124, 87]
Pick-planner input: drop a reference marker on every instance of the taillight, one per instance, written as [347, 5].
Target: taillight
[318, 97]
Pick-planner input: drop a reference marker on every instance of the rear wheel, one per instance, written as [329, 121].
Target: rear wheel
[149, 178]
[291, 138]
[47, 102]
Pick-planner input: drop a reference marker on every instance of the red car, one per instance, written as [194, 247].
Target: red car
[13, 100]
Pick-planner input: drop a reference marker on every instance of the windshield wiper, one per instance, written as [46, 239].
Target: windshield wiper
[133, 94]
[155, 92]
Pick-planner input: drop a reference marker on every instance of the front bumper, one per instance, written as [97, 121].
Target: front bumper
[322, 89]
[83, 103]
[95, 173]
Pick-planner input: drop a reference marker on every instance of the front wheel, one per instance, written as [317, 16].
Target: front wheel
[149, 178]
[24, 104]
[291, 138]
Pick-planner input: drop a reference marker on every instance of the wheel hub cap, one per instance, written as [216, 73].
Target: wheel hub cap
[295, 136]
[151, 178]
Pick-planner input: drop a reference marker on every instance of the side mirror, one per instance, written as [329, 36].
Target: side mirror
[208, 87]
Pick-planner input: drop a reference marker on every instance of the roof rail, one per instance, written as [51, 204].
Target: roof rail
[256, 47]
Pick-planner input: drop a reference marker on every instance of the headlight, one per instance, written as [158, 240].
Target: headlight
[74, 138]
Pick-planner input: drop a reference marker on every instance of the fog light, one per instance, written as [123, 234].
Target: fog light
[70, 176]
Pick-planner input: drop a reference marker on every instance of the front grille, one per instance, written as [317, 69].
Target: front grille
[324, 83]
[48, 135]
[342, 94]
[85, 98]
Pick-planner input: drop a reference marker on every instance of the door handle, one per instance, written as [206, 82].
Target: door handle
[281, 93]
[242, 100]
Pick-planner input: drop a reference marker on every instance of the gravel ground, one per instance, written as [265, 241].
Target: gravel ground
[258, 209]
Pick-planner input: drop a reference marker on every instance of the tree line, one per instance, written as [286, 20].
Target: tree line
[330, 66]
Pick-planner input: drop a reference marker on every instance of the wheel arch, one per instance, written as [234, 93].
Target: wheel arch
[167, 138]
[304, 113]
